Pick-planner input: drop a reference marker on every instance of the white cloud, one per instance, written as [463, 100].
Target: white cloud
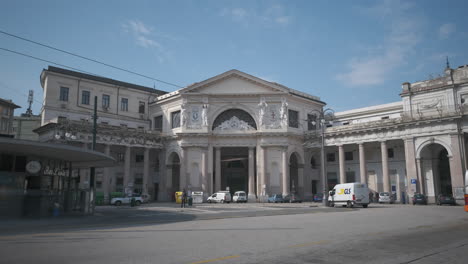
[446, 30]
[402, 36]
[142, 34]
[274, 15]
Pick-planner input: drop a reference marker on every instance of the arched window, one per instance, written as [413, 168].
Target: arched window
[313, 165]
[234, 119]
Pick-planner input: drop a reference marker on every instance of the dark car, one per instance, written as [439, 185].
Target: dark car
[419, 199]
[445, 199]
[292, 198]
[318, 197]
[276, 198]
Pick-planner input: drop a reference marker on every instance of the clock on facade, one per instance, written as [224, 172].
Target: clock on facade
[33, 167]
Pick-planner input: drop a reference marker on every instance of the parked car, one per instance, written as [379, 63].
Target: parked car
[220, 197]
[126, 200]
[386, 197]
[276, 198]
[292, 198]
[419, 199]
[146, 198]
[445, 199]
[318, 197]
[239, 197]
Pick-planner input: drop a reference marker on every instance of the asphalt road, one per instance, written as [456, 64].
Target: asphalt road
[246, 234]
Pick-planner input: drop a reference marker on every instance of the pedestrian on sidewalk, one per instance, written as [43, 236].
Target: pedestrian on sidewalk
[184, 198]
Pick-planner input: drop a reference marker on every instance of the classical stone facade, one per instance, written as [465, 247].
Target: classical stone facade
[240, 132]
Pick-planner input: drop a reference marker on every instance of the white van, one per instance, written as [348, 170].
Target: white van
[220, 197]
[349, 194]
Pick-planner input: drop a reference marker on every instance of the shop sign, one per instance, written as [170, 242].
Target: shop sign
[54, 171]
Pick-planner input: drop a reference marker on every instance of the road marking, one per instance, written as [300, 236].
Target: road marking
[212, 260]
[321, 242]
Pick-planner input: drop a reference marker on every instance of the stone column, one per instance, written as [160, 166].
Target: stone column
[217, 169]
[183, 170]
[263, 187]
[386, 176]
[457, 168]
[145, 171]
[251, 195]
[421, 181]
[106, 177]
[362, 163]
[342, 164]
[411, 169]
[285, 171]
[127, 177]
[210, 170]
[204, 173]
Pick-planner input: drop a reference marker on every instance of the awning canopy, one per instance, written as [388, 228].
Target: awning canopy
[79, 157]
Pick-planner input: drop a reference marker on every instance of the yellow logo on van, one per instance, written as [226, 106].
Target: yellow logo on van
[345, 191]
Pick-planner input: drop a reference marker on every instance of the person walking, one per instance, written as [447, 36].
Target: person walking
[184, 198]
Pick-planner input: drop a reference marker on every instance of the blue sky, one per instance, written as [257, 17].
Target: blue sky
[349, 53]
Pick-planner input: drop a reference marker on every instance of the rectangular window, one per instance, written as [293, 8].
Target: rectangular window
[348, 155]
[124, 105]
[311, 122]
[390, 153]
[98, 184]
[385, 117]
[120, 157]
[293, 117]
[105, 101]
[175, 118]
[6, 111]
[64, 94]
[141, 107]
[331, 157]
[61, 119]
[119, 181]
[85, 97]
[104, 122]
[138, 180]
[139, 158]
[158, 123]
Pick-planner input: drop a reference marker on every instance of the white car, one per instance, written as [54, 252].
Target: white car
[126, 200]
[386, 197]
[220, 197]
[239, 197]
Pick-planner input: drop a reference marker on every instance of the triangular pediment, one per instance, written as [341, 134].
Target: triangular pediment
[235, 82]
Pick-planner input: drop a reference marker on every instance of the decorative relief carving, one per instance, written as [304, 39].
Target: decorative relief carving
[272, 119]
[195, 121]
[234, 124]
[284, 112]
[205, 115]
[262, 106]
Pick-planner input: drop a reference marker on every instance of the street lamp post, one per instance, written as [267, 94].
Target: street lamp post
[93, 169]
[324, 115]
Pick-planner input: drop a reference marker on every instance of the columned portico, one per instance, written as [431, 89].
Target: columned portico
[362, 163]
[204, 171]
[386, 177]
[342, 164]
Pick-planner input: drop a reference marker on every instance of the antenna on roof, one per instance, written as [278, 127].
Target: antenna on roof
[448, 64]
[30, 101]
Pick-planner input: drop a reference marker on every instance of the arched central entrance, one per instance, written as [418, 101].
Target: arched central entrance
[435, 171]
[234, 169]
